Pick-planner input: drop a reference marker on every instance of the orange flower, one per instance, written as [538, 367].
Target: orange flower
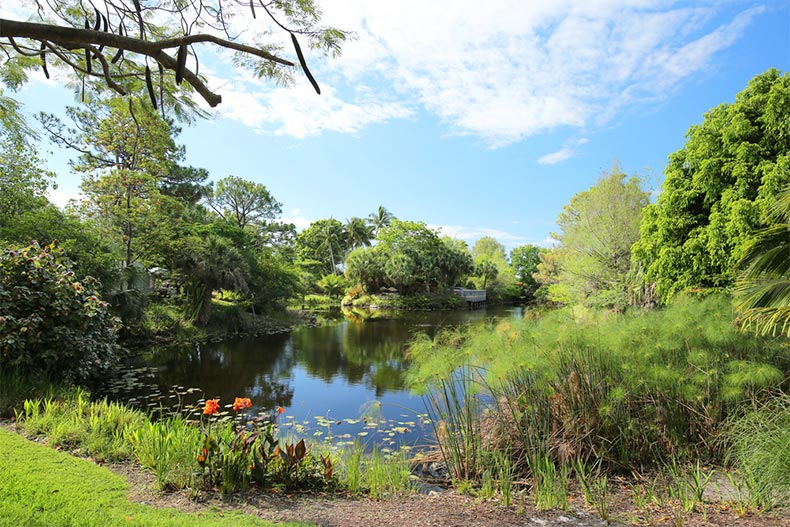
[212, 407]
[280, 410]
[240, 404]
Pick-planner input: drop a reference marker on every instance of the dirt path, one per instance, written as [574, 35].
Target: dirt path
[445, 509]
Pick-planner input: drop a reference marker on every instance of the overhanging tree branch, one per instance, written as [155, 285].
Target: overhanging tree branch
[94, 42]
[74, 38]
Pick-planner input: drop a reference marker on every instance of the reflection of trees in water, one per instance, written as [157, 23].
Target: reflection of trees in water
[362, 353]
[256, 368]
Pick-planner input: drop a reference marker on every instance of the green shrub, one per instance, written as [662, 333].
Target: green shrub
[52, 324]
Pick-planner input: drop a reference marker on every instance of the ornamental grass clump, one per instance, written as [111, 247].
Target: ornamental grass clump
[627, 391]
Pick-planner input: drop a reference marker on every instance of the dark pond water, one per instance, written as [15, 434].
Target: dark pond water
[343, 380]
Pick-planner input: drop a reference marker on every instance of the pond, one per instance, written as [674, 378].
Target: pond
[343, 380]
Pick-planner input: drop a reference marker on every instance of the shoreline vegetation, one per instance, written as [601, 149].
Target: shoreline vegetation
[673, 405]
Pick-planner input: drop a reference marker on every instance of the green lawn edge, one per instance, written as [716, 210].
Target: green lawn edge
[40, 486]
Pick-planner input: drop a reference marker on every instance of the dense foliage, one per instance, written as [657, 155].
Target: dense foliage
[409, 257]
[52, 322]
[624, 389]
[718, 190]
[597, 229]
[762, 291]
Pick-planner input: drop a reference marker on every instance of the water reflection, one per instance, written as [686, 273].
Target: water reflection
[335, 371]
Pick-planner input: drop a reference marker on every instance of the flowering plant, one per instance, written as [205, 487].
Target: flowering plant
[236, 452]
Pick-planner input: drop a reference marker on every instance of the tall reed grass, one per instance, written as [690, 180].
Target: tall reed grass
[760, 448]
[621, 390]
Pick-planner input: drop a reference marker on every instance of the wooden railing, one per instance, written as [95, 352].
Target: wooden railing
[471, 295]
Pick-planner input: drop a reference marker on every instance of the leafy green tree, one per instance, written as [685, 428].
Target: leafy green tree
[243, 202]
[524, 261]
[23, 182]
[365, 266]
[358, 233]
[547, 277]
[762, 291]
[453, 262]
[324, 241]
[598, 228]
[89, 253]
[488, 270]
[411, 252]
[488, 248]
[209, 264]
[332, 284]
[493, 269]
[52, 323]
[380, 219]
[718, 190]
[113, 44]
[126, 150]
[186, 184]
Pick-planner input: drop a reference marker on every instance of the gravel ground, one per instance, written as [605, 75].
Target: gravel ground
[443, 509]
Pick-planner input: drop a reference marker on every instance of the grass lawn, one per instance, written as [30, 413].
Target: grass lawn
[43, 487]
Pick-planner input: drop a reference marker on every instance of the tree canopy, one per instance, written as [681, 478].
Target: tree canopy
[243, 202]
[718, 190]
[125, 45]
[597, 229]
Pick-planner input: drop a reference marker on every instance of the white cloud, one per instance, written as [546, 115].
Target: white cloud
[61, 197]
[563, 154]
[516, 69]
[472, 234]
[549, 242]
[298, 112]
[299, 222]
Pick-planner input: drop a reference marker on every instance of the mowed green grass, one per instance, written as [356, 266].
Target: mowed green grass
[40, 486]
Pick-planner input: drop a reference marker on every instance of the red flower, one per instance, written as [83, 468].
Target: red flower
[240, 404]
[212, 407]
[280, 410]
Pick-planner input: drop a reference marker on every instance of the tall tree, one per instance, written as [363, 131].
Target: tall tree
[124, 44]
[324, 242]
[597, 229]
[524, 260]
[186, 184]
[358, 233]
[243, 202]
[23, 182]
[210, 264]
[762, 291]
[126, 149]
[493, 269]
[718, 190]
[380, 219]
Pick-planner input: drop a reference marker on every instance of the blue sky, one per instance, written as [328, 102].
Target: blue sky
[479, 119]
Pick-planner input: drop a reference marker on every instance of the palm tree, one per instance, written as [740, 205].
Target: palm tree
[763, 289]
[358, 233]
[212, 264]
[380, 219]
